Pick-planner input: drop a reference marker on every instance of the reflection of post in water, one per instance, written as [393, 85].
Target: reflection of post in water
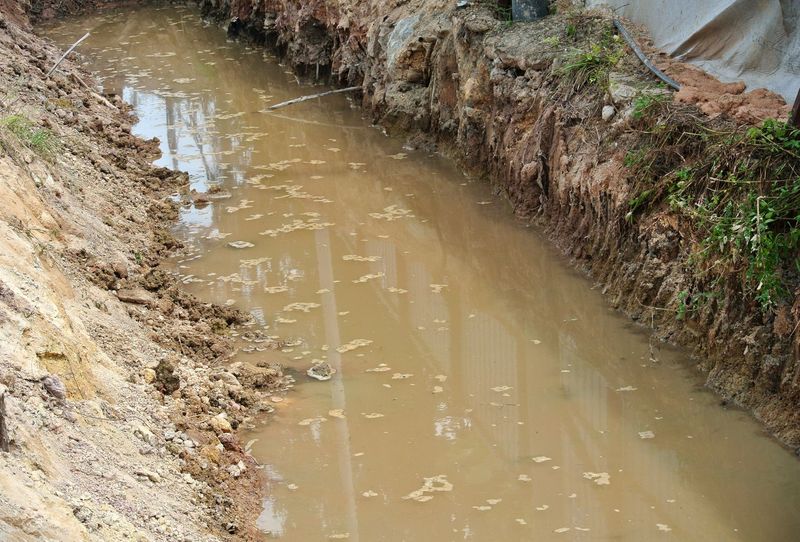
[195, 128]
[170, 106]
[332, 338]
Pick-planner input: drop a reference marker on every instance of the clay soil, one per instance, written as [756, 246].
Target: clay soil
[120, 408]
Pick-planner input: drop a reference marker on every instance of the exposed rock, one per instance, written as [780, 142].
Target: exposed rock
[220, 425]
[137, 296]
[55, 387]
[254, 376]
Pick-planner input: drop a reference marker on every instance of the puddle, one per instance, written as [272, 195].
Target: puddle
[479, 389]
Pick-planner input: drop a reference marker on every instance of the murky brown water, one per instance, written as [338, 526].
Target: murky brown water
[488, 367]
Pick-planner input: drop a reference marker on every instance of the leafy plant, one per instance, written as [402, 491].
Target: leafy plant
[593, 66]
[691, 303]
[683, 295]
[552, 41]
[740, 190]
[638, 201]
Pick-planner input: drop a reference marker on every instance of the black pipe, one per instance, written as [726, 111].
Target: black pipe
[646, 61]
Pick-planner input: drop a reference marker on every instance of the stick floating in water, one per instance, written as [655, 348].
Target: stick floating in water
[311, 97]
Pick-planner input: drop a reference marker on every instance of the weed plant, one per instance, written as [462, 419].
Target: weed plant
[591, 67]
[739, 189]
[40, 140]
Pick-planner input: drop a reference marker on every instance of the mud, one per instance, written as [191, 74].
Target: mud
[458, 81]
[493, 97]
[120, 416]
[421, 320]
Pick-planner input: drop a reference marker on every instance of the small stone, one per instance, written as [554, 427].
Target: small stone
[55, 387]
[143, 433]
[228, 379]
[136, 296]
[220, 425]
[229, 442]
[82, 514]
[608, 112]
[150, 475]
[120, 269]
[149, 375]
[237, 469]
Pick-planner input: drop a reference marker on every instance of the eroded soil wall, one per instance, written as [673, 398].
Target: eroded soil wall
[120, 414]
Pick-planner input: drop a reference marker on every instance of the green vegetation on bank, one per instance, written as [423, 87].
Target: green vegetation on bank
[738, 189]
[40, 140]
[592, 66]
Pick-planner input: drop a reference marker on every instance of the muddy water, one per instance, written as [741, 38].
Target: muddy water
[483, 390]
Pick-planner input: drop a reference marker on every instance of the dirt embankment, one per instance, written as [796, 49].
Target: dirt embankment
[550, 112]
[119, 414]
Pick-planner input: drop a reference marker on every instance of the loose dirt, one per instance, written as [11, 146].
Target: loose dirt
[120, 414]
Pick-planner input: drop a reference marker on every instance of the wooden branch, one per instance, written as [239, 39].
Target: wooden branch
[4, 440]
[60, 60]
[95, 94]
[646, 61]
[311, 97]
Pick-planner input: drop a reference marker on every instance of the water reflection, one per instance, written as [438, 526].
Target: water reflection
[484, 358]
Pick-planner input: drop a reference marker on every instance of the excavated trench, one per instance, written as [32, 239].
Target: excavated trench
[479, 388]
[496, 99]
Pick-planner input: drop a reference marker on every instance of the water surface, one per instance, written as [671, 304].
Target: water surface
[484, 391]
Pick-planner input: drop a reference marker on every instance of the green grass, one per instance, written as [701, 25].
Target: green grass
[740, 190]
[591, 67]
[40, 140]
[499, 12]
[647, 103]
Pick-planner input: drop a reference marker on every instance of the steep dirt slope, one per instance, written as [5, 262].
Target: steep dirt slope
[119, 416]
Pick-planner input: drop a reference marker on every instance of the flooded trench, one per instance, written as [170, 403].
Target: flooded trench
[484, 391]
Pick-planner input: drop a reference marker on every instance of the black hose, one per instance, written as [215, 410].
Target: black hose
[646, 61]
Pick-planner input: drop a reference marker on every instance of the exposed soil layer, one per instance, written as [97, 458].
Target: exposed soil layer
[119, 409]
[496, 98]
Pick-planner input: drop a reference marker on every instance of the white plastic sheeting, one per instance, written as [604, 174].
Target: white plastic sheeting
[755, 41]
